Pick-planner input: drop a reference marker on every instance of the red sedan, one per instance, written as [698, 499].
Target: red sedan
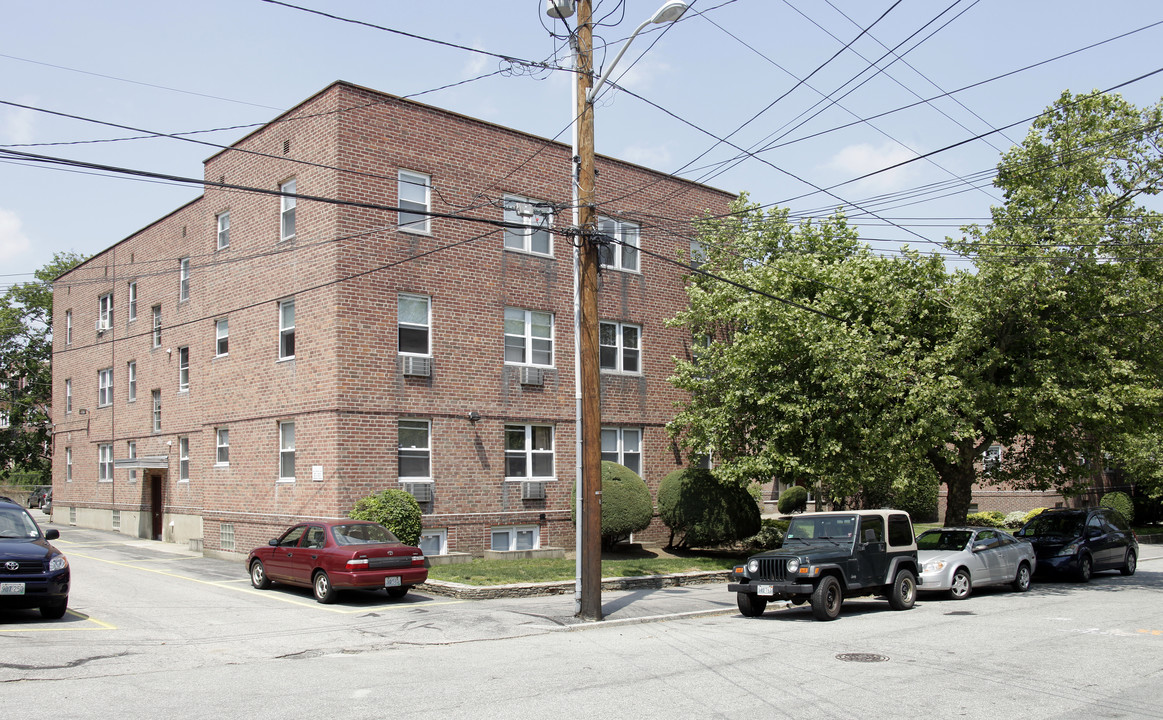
[332, 555]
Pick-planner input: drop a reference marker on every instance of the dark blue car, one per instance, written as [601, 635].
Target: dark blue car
[1081, 542]
[33, 573]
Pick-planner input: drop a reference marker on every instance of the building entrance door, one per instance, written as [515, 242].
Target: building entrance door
[155, 505]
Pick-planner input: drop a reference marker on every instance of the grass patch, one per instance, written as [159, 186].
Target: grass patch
[505, 572]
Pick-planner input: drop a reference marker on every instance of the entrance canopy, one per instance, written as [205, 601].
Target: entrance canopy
[146, 462]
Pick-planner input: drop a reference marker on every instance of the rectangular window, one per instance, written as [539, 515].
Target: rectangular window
[5, 421]
[528, 452]
[221, 337]
[68, 396]
[622, 251]
[414, 325]
[157, 410]
[286, 451]
[183, 459]
[68, 327]
[528, 337]
[184, 279]
[68, 464]
[105, 463]
[618, 347]
[226, 536]
[286, 329]
[131, 452]
[156, 311]
[515, 538]
[223, 230]
[537, 219]
[131, 384]
[623, 446]
[105, 312]
[414, 452]
[434, 542]
[222, 445]
[287, 211]
[132, 301]
[415, 195]
[104, 387]
[184, 369]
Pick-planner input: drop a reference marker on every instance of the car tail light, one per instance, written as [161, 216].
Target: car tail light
[417, 559]
[356, 564]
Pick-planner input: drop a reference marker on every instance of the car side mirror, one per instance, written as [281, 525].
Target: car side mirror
[1093, 532]
[980, 547]
[52, 534]
[274, 542]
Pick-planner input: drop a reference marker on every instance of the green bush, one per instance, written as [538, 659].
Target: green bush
[626, 504]
[1032, 514]
[988, 518]
[1015, 520]
[917, 497]
[793, 500]
[396, 510]
[703, 512]
[769, 537]
[1119, 501]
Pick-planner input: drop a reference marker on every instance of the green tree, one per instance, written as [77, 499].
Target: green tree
[867, 375]
[395, 509]
[26, 369]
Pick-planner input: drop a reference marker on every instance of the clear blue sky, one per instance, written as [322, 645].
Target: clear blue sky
[178, 67]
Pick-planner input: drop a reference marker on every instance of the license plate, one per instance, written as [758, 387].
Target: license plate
[11, 588]
[765, 590]
[392, 581]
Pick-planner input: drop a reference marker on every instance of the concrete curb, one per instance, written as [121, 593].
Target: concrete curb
[647, 582]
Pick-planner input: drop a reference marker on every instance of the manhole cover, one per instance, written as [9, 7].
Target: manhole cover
[862, 657]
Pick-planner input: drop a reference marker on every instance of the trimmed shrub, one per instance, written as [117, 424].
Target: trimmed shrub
[396, 510]
[703, 512]
[793, 500]
[988, 518]
[1016, 519]
[626, 504]
[1119, 501]
[1032, 514]
[769, 537]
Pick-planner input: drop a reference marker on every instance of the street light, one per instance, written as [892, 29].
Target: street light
[588, 594]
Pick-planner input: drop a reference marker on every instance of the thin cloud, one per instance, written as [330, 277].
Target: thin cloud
[13, 241]
[863, 158]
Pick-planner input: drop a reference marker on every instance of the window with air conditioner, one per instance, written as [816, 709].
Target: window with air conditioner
[528, 337]
[529, 452]
[535, 219]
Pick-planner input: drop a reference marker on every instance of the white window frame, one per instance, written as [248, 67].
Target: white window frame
[105, 311]
[286, 331]
[68, 327]
[221, 337]
[529, 453]
[413, 451]
[131, 381]
[184, 369]
[68, 395]
[619, 347]
[105, 387]
[535, 216]
[618, 256]
[413, 214]
[68, 464]
[223, 222]
[105, 462]
[131, 452]
[441, 536]
[183, 459]
[526, 340]
[5, 421]
[287, 210]
[184, 279]
[156, 409]
[156, 313]
[513, 531]
[221, 447]
[401, 325]
[614, 446]
[286, 451]
[132, 310]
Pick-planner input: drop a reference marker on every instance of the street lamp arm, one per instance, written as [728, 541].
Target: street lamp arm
[669, 12]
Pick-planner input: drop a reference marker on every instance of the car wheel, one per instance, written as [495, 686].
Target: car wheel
[827, 599]
[962, 586]
[1129, 566]
[54, 612]
[1085, 569]
[398, 592]
[258, 576]
[750, 605]
[904, 590]
[1021, 581]
[321, 584]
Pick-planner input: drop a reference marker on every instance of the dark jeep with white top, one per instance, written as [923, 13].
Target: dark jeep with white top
[829, 556]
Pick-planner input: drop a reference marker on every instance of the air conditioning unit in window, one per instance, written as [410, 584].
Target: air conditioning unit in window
[421, 491]
[416, 366]
[102, 325]
[532, 491]
[532, 376]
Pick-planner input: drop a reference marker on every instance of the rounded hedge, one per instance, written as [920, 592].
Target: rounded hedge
[396, 510]
[627, 506]
[1121, 502]
[986, 518]
[703, 512]
[793, 500]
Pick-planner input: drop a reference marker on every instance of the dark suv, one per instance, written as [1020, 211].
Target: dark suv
[33, 573]
[1081, 542]
[827, 557]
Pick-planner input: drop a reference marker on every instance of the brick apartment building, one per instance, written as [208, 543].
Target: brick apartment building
[250, 360]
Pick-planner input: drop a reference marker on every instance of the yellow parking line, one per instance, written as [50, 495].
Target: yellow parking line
[101, 625]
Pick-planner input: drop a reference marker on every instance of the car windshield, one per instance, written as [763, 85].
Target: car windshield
[943, 540]
[15, 523]
[362, 534]
[810, 529]
[1066, 525]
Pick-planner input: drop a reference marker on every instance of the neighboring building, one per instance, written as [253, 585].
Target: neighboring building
[250, 360]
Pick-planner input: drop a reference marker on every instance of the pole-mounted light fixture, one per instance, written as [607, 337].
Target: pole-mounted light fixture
[669, 12]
